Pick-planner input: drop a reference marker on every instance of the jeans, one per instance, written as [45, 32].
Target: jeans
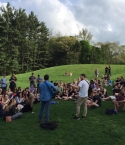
[44, 104]
[16, 116]
[37, 88]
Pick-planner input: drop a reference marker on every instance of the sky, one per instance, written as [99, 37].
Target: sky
[105, 19]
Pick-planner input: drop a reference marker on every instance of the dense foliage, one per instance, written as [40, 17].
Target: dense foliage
[26, 45]
[23, 41]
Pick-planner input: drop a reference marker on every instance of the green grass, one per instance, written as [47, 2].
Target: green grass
[98, 128]
[56, 73]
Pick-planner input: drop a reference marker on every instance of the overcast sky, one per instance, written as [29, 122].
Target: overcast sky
[105, 19]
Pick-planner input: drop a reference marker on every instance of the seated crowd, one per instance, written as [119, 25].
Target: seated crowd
[17, 101]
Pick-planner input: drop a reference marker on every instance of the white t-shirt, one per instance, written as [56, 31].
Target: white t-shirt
[84, 86]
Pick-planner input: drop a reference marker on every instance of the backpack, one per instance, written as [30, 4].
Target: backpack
[110, 111]
[49, 125]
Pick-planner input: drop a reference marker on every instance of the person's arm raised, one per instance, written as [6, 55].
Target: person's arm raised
[75, 87]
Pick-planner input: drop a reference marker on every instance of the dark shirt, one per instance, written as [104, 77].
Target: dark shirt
[11, 111]
[70, 93]
[106, 70]
[27, 108]
[12, 82]
[116, 91]
[32, 79]
[97, 98]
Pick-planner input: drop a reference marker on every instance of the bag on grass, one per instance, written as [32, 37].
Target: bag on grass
[49, 125]
[8, 118]
[109, 111]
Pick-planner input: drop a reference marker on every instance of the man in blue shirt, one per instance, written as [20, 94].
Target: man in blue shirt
[45, 89]
[4, 84]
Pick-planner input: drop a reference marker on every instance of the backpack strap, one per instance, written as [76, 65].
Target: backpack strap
[49, 88]
[87, 82]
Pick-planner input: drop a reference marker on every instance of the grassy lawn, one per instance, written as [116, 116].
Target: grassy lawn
[98, 128]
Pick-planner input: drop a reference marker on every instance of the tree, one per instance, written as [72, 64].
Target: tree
[23, 41]
[8, 38]
[109, 51]
[85, 52]
[84, 35]
[64, 50]
[96, 55]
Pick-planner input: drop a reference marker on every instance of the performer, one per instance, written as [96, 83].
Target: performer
[45, 90]
[83, 87]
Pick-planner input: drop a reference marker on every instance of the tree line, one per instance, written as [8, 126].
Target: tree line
[27, 45]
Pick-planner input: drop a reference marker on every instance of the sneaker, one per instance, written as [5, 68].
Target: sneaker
[115, 112]
[83, 117]
[97, 105]
[75, 117]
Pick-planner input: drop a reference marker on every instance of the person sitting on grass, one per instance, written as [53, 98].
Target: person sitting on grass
[116, 90]
[64, 93]
[74, 82]
[19, 89]
[32, 89]
[10, 110]
[109, 82]
[5, 100]
[70, 94]
[119, 103]
[70, 74]
[95, 101]
[28, 103]
[66, 74]
[19, 99]
[103, 91]
[36, 96]
[59, 91]
[76, 95]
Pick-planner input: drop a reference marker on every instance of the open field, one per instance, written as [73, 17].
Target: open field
[98, 128]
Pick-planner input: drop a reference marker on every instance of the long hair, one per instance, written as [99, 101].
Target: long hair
[30, 99]
[10, 105]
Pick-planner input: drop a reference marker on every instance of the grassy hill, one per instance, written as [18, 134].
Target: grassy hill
[98, 128]
[56, 73]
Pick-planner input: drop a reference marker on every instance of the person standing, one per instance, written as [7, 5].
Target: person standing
[32, 80]
[83, 87]
[106, 70]
[45, 89]
[4, 84]
[96, 74]
[38, 80]
[109, 70]
[13, 80]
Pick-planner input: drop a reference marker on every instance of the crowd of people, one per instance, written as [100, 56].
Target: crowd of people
[15, 101]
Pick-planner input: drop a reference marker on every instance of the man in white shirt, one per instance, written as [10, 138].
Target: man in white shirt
[83, 87]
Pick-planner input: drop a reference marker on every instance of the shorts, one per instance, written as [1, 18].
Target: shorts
[112, 97]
